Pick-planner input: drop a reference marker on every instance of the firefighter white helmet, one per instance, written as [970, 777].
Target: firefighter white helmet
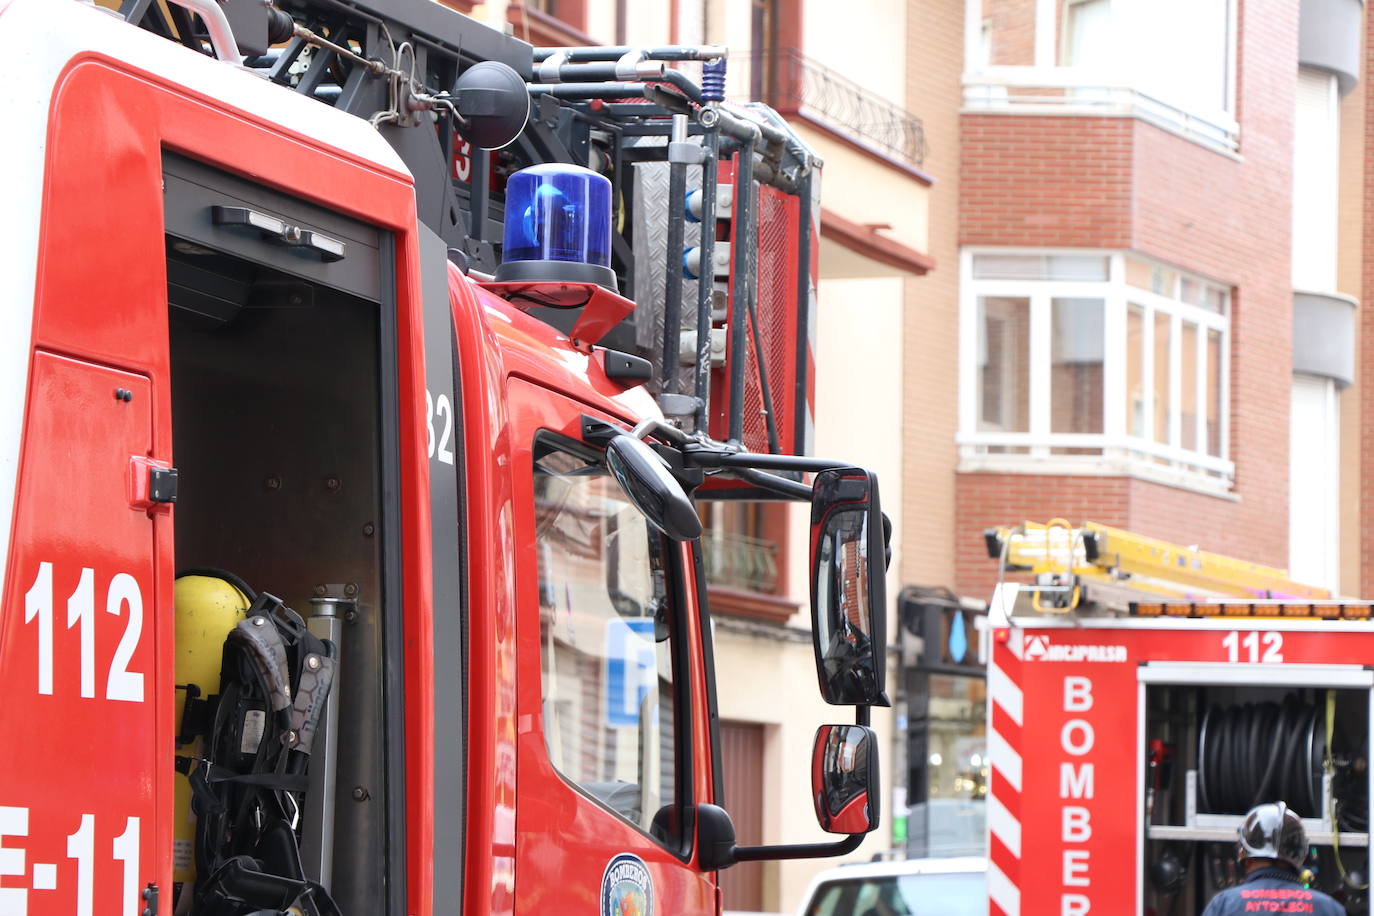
[1272, 831]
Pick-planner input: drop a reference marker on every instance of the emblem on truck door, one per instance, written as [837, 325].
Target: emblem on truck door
[627, 889]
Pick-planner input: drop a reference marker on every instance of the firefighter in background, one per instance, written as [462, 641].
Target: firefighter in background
[1273, 846]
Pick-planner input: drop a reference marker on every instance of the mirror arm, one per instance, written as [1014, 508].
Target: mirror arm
[798, 850]
[716, 847]
[648, 427]
[706, 457]
[781, 485]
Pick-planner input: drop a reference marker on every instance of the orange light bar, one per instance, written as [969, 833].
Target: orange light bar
[1298, 610]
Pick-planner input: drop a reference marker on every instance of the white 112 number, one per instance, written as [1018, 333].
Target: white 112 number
[1272, 642]
[123, 591]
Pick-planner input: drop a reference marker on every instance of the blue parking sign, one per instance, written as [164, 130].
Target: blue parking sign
[631, 668]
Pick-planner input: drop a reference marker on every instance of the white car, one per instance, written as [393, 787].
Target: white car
[911, 887]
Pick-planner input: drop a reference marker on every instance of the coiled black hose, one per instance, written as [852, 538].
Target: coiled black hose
[1261, 752]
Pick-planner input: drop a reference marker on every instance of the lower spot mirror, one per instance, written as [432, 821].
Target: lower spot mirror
[844, 778]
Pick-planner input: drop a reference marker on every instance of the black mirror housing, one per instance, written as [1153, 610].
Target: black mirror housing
[494, 102]
[844, 778]
[848, 588]
[645, 477]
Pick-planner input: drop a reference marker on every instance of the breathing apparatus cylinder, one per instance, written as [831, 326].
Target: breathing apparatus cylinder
[207, 609]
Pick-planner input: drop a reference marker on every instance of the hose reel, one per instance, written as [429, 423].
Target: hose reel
[1257, 752]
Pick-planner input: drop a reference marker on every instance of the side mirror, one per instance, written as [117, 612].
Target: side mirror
[844, 778]
[847, 588]
[495, 103]
[645, 478]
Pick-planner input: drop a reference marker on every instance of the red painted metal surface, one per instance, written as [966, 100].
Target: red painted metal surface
[601, 308]
[81, 652]
[564, 839]
[1065, 703]
[102, 297]
[491, 644]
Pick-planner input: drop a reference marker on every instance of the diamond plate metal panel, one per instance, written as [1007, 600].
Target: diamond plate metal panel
[650, 227]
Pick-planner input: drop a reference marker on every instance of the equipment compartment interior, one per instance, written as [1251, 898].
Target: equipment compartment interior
[277, 415]
[1212, 751]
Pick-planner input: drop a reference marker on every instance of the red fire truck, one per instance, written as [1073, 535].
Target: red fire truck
[1142, 696]
[352, 562]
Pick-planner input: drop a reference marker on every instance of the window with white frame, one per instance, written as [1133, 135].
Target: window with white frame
[1081, 358]
[1195, 38]
[1169, 62]
[1087, 38]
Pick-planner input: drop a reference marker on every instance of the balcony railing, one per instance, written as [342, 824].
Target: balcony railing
[1068, 90]
[793, 83]
[740, 561]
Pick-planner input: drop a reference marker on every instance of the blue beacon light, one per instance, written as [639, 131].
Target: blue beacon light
[558, 227]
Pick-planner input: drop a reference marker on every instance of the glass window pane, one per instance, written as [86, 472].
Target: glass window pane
[738, 543]
[1076, 346]
[1003, 364]
[1151, 277]
[1214, 393]
[1215, 299]
[945, 893]
[1161, 367]
[1008, 267]
[1137, 273]
[1135, 372]
[1088, 32]
[1188, 384]
[1191, 291]
[605, 622]
[1086, 268]
[1196, 32]
[1203, 295]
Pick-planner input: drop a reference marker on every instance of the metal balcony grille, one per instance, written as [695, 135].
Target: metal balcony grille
[793, 83]
[740, 561]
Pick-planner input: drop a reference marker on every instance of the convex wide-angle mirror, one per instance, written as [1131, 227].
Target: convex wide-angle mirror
[494, 102]
[844, 778]
[847, 587]
[646, 480]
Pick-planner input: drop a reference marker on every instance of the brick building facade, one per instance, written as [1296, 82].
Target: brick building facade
[1150, 228]
[1069, 160]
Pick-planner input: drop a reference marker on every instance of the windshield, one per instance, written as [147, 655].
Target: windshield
[962, 894]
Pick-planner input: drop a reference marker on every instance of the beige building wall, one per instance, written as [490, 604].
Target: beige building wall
[863, 40]
[935, 36]
[864, 190]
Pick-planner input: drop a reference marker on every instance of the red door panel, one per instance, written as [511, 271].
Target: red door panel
[565, 841]
[78, 748]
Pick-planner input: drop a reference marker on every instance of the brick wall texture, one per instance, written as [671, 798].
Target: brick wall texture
[1120, 183]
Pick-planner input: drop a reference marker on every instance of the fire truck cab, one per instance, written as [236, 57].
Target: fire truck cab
[342, 575]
